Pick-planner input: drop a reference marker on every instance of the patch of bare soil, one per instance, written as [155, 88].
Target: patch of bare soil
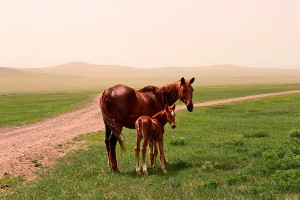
[24, 148]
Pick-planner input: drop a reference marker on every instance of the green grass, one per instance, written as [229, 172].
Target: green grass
[18, 109]
[21, 109]
[245, 150]
[203, 94]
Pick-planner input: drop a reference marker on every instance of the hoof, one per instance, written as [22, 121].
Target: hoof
[138, 173]
[115, 170]
[166, 161]
[145, 172]
[164, 171]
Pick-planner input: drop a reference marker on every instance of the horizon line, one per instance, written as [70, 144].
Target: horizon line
[155, 67]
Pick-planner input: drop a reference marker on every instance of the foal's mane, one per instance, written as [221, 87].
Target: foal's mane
[161, 117]
[168, 93]
[158, 114]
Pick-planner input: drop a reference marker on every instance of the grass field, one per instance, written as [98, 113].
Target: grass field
[18, 109]
[203, 94]
[21, 109]
[245, 150]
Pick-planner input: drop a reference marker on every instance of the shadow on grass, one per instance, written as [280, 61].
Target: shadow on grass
[172, 169]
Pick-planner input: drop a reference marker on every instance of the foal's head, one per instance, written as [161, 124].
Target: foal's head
[186, 93]
[171, 115]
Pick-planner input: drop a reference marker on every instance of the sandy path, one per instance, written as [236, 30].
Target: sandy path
[41, 141]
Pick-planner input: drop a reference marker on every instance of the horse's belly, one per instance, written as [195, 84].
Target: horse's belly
[127, 106]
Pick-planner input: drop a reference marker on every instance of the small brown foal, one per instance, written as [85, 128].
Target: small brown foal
[152, 130]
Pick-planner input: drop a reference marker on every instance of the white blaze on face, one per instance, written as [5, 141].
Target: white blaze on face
[172, 113]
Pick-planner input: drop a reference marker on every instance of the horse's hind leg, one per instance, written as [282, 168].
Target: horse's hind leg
[112, 152]
[107, 135]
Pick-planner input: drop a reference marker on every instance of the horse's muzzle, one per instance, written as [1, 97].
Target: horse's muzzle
[173, 126]
[190, 107]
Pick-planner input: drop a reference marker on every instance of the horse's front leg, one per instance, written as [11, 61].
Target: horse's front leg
[162, 156]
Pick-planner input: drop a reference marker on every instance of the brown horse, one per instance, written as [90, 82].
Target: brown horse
[122, 105]
[152, 129]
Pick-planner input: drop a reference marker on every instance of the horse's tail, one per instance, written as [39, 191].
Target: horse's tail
[104, 103]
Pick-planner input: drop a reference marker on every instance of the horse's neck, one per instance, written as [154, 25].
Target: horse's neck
[161, 118]
[169, 93]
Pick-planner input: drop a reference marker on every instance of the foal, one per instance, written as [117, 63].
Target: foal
[152, 128]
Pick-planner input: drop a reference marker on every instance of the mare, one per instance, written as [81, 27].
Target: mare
[121, 106]
[152, 129]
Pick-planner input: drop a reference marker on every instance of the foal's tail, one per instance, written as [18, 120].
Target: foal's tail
[104, 102]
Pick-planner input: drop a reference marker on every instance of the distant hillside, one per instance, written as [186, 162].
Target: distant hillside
[90, 70]
[114, 71]
[226, 71]
[23, 81]
[5, 72]
[84, 76]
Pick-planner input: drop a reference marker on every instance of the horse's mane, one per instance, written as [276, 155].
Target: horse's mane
[167, 93]
[149, 88]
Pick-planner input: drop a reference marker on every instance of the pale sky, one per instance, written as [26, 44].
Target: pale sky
[156, 33]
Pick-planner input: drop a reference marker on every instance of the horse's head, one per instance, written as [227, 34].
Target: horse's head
[186, 93]
[171, 115]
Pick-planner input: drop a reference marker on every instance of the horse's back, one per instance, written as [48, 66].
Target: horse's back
[143, 125]
[121, 91]
[126, 104]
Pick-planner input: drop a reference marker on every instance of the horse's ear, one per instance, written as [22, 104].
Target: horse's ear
[192, 80]
[182, 81]
[173, 107]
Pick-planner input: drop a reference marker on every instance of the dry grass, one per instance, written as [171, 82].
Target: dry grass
[82, 76]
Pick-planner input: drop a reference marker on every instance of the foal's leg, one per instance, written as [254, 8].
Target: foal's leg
[162, 156]
[151, 152]
[155, 154]
[137, 152]
[144, 149]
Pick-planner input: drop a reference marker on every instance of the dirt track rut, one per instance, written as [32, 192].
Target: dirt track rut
[42, 141]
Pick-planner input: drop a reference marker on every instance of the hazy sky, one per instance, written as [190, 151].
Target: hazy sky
[156, 33]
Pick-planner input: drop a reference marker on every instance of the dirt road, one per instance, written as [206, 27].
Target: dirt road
[42, 141]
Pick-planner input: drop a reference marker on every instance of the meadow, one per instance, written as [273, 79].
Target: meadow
[19, 109]
[243, 150]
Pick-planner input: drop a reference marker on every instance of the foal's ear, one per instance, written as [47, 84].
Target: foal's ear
[192, 80]
[182, 81]
[173, 107]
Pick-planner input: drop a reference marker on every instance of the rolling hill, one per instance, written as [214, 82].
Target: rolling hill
[115, 71]
[83, 76]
